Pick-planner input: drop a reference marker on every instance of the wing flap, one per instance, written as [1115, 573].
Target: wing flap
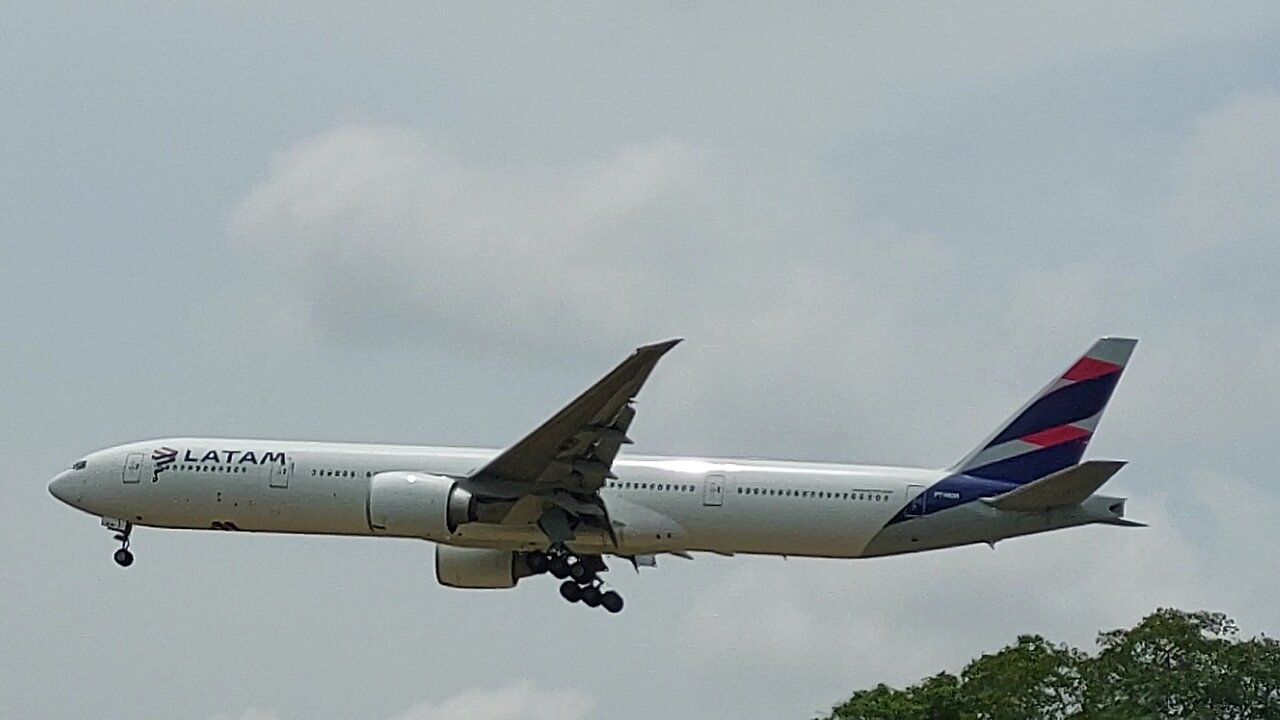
[1063, 488]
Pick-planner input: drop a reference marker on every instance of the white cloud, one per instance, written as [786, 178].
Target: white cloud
[517, 701]
[387, 234]
[375, 232]
[250, 714]
[521, 701]
[767, 77]
[383, 233]
[1230, 185]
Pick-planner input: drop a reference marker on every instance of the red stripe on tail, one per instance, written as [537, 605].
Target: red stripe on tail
[1088, 368]
[1056, 436]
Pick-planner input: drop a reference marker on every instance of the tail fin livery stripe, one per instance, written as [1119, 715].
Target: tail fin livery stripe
[1052, 431]
[1082, 430]
[1055, 436]
[997, 453]
[1028, 466]
[1063, 406]
[1087, 368]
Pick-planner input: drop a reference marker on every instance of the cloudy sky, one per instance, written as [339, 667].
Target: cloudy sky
[879, 227]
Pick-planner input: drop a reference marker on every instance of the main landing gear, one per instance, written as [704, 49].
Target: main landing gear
[581, 577]
[591, 595]
[123, 529]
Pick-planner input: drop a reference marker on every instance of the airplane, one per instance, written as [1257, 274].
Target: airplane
[561, 500]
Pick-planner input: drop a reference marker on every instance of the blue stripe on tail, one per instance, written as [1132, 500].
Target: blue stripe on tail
[1022, 469]
[1063, 406]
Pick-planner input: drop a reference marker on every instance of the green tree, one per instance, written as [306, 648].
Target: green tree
[1173, 664]
[1033, 678]
[934, 698]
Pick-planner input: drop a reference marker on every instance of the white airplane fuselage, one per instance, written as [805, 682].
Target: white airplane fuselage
[655, 504]
[563, 497]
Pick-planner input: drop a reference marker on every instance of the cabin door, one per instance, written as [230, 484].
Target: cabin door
[133, 468]
[280, 475]
[916, 507]
[713, 492]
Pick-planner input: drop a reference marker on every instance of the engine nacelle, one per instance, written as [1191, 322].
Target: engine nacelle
[410, 504]
[478, 568]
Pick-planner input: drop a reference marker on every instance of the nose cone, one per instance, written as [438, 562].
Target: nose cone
[66, 487]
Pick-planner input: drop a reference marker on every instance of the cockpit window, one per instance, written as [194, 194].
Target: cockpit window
[80, 465]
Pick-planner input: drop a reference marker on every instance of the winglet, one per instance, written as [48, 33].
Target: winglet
[660, 348]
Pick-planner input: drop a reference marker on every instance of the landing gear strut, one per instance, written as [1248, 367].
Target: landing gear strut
[123, 529]
[581, 577]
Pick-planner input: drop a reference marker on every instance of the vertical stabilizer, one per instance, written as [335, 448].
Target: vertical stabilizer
[1050, 433]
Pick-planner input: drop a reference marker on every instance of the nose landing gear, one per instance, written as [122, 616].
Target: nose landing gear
[123, 528]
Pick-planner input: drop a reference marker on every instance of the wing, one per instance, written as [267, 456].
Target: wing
[575, 449]
[555, 472]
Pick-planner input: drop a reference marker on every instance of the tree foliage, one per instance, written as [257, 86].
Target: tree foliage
[1173, 664]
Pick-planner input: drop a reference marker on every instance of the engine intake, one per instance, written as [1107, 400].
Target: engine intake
[409, 504]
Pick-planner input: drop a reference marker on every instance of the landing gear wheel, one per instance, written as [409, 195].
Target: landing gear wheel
[123, 529]
[612, 602]
[559, 567]
[571, 591]
[591, 596]
[580, 572]
[537, 562]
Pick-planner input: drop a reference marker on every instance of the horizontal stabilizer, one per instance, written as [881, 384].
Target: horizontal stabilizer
[1124, 522]
[1063, 488]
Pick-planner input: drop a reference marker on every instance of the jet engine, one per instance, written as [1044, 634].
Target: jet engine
[409, 504]
[476, 568]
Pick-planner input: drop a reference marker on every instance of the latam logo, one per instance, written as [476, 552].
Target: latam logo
[163, 458]
[235, 457]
